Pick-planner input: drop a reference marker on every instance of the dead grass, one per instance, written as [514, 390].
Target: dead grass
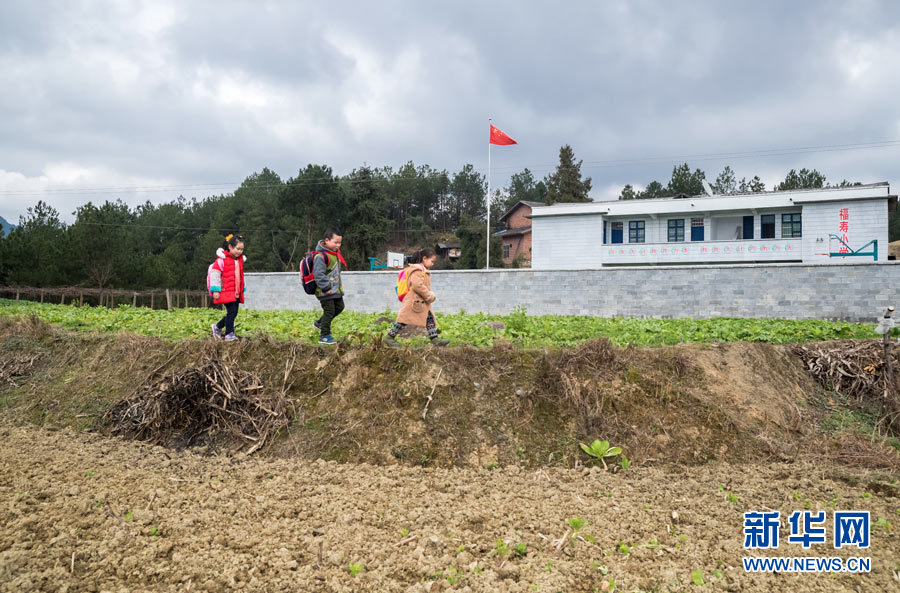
[214, 403]
[687, 404]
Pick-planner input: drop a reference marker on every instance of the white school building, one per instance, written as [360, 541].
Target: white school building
[814, 226]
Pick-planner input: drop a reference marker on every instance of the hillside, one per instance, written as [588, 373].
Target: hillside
[6, 226]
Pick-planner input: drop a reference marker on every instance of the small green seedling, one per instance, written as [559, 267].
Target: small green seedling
[624, 463]
[356, 568]
[129, 516]
[732, 498]
[600, 450]
[520, 550]
[883, 524]
[501, 548]
[624, 548]
[460, 549]
[697, 577]
[577, 524]
[404, 532]
[452, 575]
[154, 531]
[867, 495]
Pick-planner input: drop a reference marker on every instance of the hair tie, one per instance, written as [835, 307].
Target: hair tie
[228, 237]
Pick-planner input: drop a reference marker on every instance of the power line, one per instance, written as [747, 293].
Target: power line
[207, 229]
[312, 181]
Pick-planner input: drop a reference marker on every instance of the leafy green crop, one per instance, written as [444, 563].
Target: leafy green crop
[460, 328]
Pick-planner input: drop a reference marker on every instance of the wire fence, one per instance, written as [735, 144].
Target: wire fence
[158, 298]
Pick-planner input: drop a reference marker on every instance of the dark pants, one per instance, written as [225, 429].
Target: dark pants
[227, 323]
[430, 325]
[331, 308]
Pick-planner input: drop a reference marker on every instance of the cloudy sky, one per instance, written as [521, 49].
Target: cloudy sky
[189, 98]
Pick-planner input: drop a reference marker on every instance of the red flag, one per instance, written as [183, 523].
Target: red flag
[499, 137]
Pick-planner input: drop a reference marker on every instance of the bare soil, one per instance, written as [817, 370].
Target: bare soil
[422, 470]
[83, 512]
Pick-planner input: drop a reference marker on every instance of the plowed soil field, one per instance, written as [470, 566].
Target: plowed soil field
[85, 512]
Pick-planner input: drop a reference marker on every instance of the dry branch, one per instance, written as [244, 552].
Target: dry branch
[214, 403]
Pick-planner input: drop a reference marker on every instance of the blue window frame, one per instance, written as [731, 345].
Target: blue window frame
[791, 226]
[635, 231]
[605, 224]
[767, 226]
[676, 230]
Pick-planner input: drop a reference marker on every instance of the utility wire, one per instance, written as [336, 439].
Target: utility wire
[376, 177]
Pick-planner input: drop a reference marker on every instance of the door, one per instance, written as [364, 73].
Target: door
[616, 230]
[696, 229]
[748, 227]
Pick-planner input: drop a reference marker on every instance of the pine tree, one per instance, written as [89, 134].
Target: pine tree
[565, 185]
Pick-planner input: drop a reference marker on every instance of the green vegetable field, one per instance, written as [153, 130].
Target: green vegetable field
[460, 328]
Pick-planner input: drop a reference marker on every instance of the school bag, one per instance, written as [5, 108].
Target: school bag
[402, 285]
[209, 272]
[307, 276]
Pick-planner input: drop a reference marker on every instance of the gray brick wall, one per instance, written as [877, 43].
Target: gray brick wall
[852, 292]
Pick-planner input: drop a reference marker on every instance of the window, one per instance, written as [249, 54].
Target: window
[635, 231]
[676, 230]
[790, 226]
[767, 226]
[605, 224]
[506, 247]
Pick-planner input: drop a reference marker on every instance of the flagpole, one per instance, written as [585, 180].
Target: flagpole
[487, 259]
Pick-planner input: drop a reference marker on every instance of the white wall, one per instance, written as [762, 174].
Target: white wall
[566, 242]
[575, 241]
[868, 220]
[724, 228]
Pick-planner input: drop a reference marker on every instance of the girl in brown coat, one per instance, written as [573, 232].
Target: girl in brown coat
[416, 307]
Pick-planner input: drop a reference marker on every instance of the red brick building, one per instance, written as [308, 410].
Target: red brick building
[516, 237]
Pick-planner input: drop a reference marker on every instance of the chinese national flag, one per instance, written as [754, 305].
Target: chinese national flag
[499, 137]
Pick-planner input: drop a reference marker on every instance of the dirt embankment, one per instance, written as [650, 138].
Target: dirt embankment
[461, 407]
[458, 476]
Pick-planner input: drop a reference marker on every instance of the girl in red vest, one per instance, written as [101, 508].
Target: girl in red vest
[227, 284]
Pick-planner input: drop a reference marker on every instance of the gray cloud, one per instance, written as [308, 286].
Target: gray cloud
[164, 93]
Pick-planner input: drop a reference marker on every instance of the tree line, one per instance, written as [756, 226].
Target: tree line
[112, 245]
[170, 245]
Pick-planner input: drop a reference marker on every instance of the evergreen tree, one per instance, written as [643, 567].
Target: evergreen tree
[684, 182]
[805, 179]
[37, 252]
[472, 244]
[566, 185]
[725, 183]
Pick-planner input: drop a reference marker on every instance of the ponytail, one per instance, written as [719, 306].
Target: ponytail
[232, 240]
[418, 256]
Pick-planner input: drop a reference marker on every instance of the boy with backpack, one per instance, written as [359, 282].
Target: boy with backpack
[320, 273]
